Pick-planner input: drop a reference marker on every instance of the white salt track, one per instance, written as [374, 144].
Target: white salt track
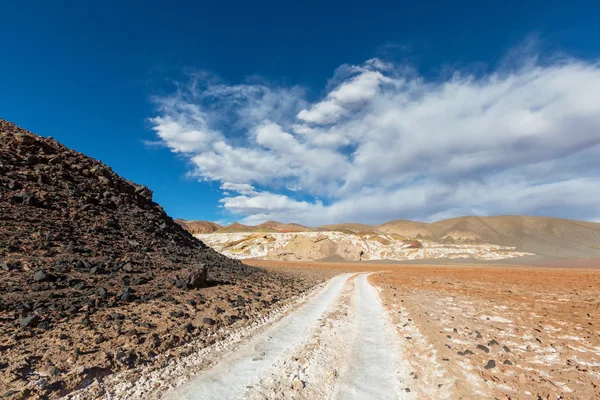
[339, 344]
[372, 369]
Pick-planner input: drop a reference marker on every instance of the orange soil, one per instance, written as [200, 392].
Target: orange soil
[547, 318]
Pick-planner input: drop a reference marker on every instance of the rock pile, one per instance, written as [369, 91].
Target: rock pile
[70, 223]
[89, 266]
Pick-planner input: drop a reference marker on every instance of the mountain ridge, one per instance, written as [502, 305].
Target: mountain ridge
[541, 235]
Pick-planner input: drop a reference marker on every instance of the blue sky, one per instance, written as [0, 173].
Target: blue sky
[233, 111]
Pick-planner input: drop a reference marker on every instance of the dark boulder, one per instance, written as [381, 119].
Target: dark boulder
[13, 185]
[10, 266]
[43, 276]
[30, 322]
[126, 295]
[197, 277]
[26, 199]
[483, 348]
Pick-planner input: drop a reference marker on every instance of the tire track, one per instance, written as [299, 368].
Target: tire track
[312, 370]
[231, 378]
[374, 368]
[338, 345]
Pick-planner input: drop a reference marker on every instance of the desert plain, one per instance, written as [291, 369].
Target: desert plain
[489, 331]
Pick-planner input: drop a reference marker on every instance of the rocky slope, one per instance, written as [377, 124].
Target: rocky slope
[97, 278]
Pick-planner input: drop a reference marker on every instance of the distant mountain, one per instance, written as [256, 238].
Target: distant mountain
[544, 236]
[347, 227]
[406, 228]
[237, 227]
[548, 236]
[279, 227]
[195, 227]
[199, 227]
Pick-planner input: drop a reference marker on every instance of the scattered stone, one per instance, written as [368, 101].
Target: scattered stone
[298, 384]
[507, 362]
[491, 364]
[43, 276]
[13, 185]
[10, 266]
[126, 294]
[483, 348]
[493, 342]
[208, 321]
[30, 322]
[26, 199]
[506, 349]
[197, 277]
[140, 281]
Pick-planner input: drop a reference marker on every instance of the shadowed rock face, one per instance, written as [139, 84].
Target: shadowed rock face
[95, 276]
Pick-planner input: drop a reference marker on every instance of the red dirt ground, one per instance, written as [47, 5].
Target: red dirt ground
[539, 324]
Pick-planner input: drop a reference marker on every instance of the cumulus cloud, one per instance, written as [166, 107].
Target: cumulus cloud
[384, 143]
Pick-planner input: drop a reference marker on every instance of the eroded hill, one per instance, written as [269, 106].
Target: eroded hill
[479, 238]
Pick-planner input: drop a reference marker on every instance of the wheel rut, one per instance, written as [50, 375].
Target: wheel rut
[339, 344]
[373, 368]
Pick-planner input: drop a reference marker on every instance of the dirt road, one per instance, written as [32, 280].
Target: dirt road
[434, 332]
[339, 344]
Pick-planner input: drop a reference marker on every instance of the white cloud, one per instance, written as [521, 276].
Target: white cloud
[242, 188]
[385, 143]
[348, 96]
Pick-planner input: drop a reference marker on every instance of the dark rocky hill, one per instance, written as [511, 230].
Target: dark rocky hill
[96, 277]
[56, 202]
